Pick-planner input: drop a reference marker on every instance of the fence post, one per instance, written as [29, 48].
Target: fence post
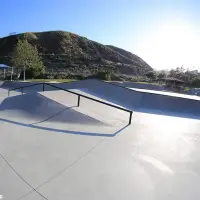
[130, 118]
[78, 100]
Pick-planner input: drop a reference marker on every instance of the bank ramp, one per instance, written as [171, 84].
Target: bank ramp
[52, 149]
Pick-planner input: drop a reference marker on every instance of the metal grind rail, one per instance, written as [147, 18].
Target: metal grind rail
[79, 97]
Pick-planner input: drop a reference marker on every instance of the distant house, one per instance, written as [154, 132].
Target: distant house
[172, 81]
[3, 66]
[195, 72]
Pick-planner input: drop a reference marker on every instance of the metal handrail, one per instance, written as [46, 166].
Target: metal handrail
[25, 86]
[79, 95]
[22, 87]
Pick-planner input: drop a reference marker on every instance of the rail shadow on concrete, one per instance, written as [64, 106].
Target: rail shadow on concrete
[64, 130]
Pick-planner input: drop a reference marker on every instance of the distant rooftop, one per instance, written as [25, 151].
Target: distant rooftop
[3, 66]
[171, 79]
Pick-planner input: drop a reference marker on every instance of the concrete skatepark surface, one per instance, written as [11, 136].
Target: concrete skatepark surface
[52, 149]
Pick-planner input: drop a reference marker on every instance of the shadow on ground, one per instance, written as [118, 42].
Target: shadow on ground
[63, 130]
[40, 108]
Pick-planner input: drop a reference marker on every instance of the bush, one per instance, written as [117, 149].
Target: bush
[103, 76]
[196, 82]
[100, 76]
[151, 75]
[187, 89]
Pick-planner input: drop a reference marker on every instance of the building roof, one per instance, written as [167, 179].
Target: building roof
[3, 66]
[171, 79]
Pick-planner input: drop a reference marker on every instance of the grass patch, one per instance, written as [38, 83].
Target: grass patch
[187, 89]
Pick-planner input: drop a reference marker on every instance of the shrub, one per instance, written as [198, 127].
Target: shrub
[196, 82]
[103, 76]
[151, 75]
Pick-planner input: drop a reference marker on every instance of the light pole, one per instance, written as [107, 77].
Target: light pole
[11, 75]
[24, 73]
[4, 72]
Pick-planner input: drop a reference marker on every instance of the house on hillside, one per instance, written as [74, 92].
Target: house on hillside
[173, 84]
[172, 81]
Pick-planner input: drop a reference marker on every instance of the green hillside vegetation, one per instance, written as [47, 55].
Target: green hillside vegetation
[68, 54]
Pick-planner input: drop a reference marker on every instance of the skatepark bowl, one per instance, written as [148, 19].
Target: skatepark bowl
[94, 140]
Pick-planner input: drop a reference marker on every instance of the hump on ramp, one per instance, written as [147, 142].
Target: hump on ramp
[36, 108]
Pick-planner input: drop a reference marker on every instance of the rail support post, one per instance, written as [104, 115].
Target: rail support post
[22, 90]
[43, 87]
[8, 92]
[130, 117]
[78, 100]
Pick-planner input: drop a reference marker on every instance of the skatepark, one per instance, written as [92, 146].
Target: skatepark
[95, 140]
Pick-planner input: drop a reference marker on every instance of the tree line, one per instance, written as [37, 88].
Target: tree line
[28, 62]
[190, 77]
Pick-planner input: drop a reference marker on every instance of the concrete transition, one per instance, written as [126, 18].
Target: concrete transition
[51, 148]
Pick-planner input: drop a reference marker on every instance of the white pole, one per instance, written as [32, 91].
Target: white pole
[24, 74]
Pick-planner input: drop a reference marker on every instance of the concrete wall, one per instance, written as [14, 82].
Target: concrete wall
[144, 101]
[133, 100]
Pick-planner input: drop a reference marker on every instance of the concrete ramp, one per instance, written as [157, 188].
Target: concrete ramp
[144, 101]
[52, 149]
[58, 111]
[35, 108]
[140, 101]
[168, 105]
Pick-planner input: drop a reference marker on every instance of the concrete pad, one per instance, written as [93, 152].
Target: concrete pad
[142, 162]
[90, 153]
[11, 185]
[34, 196]
[39, 155]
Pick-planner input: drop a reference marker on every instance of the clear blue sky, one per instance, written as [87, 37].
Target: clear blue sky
[158, 31]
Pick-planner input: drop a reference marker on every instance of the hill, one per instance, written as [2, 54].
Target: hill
[71, 53]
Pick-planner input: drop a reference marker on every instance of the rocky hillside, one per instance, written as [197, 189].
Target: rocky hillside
[68, 52]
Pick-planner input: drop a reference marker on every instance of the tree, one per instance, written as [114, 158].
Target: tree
[103, 75]
[196, 82]
[191, 74]
[181, 73]
[151, 75]
[162, 74]
[26, 57]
